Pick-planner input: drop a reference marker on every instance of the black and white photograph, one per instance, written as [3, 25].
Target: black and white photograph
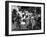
[25, 18]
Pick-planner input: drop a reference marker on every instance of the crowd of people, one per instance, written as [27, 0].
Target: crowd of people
[26, 18]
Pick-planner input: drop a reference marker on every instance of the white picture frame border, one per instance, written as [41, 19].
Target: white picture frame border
[29, 31]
